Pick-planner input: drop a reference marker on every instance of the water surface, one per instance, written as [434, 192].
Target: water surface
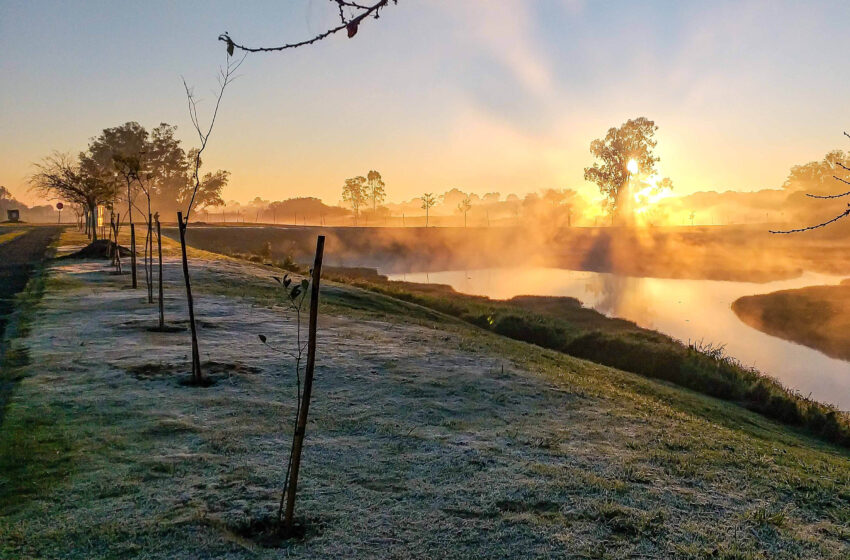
[689, 310]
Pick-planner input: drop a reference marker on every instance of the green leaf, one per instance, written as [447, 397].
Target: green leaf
[305, 284]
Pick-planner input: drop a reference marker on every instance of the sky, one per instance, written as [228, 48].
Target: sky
[482, 95]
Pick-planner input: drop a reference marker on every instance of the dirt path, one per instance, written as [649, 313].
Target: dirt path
[18, 257]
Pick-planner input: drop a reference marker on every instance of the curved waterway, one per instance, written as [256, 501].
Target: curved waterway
[685, 309]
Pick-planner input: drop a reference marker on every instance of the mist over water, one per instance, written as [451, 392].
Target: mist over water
[683, 308]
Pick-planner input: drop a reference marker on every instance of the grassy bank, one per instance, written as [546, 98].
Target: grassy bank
[427, 438]
[562, 324]
[816, 316]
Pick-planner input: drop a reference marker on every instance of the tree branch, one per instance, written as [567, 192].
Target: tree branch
[826, 223]
[349, 24]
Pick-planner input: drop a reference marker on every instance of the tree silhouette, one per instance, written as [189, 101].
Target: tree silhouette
[815, 172]
[375, 188]
[633, 140]
[60, 177]
[351, 15]
[465, 206]
[428, 200]
[354, 193]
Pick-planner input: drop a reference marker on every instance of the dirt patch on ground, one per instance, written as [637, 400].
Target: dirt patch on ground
[100, 249]
[212, 370]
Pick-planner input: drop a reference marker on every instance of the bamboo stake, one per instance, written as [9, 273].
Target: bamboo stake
[301, 426]
[133, 252]
[159, 247]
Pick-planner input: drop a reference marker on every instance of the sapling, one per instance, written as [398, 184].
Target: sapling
[295, 296]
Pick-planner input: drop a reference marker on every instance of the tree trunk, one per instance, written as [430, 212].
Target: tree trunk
[301, 426]
[197, 376]
[91, 225]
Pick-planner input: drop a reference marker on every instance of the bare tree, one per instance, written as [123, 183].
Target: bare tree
[60, 177]
[843, 214]
[226, 76]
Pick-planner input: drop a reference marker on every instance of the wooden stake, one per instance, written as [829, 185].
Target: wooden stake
[301, 426]
[161, 304]
[133, 252]
[197, 376]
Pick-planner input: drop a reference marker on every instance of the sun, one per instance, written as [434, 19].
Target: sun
[632, 166]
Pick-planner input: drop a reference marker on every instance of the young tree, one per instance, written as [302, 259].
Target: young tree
[428, 200]
[226, 76]
[351, 15]
[375, 189]
[634, 141]
[465, 206]
[59, 177]
[354, 192]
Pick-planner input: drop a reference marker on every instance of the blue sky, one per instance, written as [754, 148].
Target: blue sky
[495, 95]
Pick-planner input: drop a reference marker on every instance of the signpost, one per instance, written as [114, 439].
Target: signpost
[60, 206]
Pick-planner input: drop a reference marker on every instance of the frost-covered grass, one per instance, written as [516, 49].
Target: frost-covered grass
[428, 438]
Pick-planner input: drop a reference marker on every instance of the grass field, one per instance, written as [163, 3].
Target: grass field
[817, 316]
[429, 437]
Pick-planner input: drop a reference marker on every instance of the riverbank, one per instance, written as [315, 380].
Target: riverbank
[816, 316]
[427, 437]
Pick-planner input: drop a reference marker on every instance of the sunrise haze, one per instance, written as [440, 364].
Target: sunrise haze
[483, 96]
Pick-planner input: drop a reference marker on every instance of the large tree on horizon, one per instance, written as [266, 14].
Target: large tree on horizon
[633, 140]
[158, 160]
[354, 193]
[375, 188]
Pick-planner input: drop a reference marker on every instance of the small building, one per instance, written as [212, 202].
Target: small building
[14, 215]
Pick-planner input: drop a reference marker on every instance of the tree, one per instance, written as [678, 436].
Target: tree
[225, 77]
[818, 177]
[428, 200]
[465, 206]
[634, 141]
[5, 193]
[815, 171]
[375, 188]
[351, 15]
[61, 178]
[354, 192]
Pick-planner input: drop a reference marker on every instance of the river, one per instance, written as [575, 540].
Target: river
[690, 310]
